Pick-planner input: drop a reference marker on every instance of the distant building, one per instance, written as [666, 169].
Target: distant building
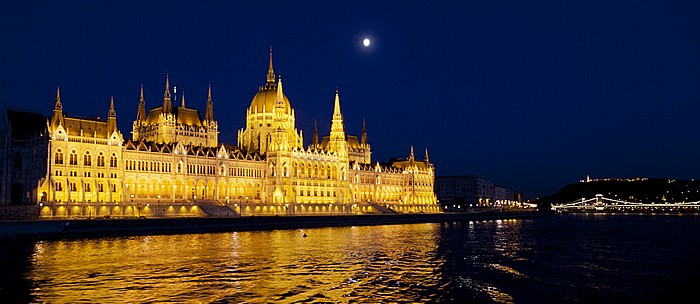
[464, 191]
[174, 162]
[23, 149]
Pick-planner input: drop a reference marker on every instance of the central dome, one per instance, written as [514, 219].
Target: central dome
[266, 98]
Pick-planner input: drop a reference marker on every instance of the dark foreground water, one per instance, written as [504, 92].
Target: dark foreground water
[574, 258]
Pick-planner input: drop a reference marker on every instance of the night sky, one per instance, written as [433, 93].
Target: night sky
[531, 95]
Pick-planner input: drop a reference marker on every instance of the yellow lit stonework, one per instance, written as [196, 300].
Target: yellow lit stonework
[174, 166]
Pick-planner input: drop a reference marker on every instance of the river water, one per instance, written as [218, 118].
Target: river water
[572, 258]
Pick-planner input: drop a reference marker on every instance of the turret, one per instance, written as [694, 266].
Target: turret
[364, 134]
[209, 115]
[57, 116]
[141, 113]
[337, 141]
[279, 133]
[314, 140]
[279, 102]
[167, 107]
[111, 118]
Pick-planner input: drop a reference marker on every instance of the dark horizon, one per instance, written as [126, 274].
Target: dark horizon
[532, 95]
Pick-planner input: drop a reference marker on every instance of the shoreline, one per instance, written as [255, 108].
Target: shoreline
[95, 228]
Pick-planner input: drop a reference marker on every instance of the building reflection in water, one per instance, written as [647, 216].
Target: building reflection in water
[364, 264]
[487, 261]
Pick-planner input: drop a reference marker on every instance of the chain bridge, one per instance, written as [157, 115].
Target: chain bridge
[601, 203]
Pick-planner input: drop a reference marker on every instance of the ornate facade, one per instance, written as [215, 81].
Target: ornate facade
[174, 165]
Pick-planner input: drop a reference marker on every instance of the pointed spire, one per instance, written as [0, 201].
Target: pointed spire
[337, 142]
[314, 140]
[411, 157]
[111, 113]
[280, 94]
[111, 117]
[270, 70]
[183, 99]
[167, 107]
[57, 105]
[336, 107]
[141, 113]
[209, 93]
[427, 159]
[209, 115]
[57, 116]
[364, 133]
[167, 86]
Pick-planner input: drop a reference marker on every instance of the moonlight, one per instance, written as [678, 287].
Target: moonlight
[366, 42]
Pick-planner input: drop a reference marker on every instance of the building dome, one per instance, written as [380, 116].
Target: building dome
[265, 100]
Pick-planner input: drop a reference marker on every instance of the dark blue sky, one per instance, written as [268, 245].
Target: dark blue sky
[532, 95]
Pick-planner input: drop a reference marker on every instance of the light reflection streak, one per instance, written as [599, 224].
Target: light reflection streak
[365, 264]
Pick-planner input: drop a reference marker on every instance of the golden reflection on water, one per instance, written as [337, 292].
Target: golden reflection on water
[350, 264]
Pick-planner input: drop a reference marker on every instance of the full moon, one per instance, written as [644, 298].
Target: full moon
[366, 42]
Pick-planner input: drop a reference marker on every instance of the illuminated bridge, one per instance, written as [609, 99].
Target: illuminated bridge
[601, 203]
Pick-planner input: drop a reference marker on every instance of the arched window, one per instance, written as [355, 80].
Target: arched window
[58, 158]
[87, 159]
[73, 158]
[113, 160]
[100, 160]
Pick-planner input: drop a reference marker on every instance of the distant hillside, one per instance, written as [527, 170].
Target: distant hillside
[641, 190]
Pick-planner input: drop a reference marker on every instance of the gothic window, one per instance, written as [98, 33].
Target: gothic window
[86, 187]
[58, 158]
[73, 186]
[87, 159]
[113, 160]
[100, 160]
[73, 158]
[59, 186]
[114, 188]
[100, 188]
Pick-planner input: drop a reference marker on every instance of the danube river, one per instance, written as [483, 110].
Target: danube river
[573, 258]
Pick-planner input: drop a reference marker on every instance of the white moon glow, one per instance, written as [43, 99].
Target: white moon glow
[366, 42]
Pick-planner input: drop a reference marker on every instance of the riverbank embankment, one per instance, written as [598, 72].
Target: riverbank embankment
[83, 228]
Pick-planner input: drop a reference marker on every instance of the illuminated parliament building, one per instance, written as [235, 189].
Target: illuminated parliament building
[174, 164]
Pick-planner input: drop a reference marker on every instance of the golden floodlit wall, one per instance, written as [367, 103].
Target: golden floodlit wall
[175, 166]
